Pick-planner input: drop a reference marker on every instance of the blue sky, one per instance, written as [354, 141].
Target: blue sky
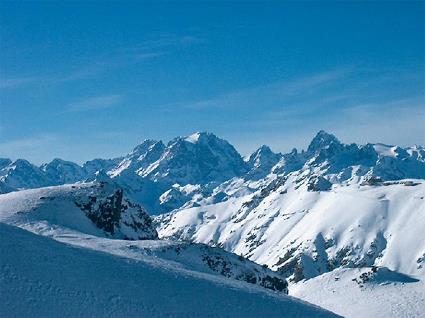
[84, 80]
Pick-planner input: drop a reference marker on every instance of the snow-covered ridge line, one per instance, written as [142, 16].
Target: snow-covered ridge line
[159, 176]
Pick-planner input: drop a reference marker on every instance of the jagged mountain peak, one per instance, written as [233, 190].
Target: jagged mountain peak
[322, 140]
[201, 157]
[261, 162]
[58, 163]
[264, 149]
[140, 158]
[199, 137]
[22, 163]
[61, 171]
[194, 138]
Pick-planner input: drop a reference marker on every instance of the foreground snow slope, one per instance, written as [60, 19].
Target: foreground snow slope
[305, 233]
[41, 277]
[362, 293]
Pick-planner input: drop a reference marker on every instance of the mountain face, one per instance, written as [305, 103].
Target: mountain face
[303, 227]
[142, 156]
[261, 162]
[332, 206]
[21, 174]
[63, 172]
[197, 159]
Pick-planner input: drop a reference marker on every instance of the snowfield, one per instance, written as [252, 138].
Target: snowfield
[44, 278]
[386, 294]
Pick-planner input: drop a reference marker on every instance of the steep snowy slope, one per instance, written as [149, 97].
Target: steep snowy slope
[303, 233]
[41, 277]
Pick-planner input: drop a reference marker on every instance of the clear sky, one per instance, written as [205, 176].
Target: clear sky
[83, 80]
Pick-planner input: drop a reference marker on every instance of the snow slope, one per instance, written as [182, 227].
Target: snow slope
[41, 277]
[362, 293]
[305, 233]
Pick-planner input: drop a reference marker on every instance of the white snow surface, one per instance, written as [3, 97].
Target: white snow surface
[41, 277]
[386, 295]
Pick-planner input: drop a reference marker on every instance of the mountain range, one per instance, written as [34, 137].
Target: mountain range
[202, 168]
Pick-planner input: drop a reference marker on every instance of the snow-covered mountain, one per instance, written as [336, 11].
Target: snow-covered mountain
[62, 172]
[21, 174]
[197, 159]
[261, 161]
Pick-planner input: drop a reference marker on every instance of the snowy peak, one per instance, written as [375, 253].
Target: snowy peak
[21, 174]
[194, 138]
[322, 140]
[261, 161]
[264, 153]
[61, 171]
[198, 158]
[213, 166]
[199, 137]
